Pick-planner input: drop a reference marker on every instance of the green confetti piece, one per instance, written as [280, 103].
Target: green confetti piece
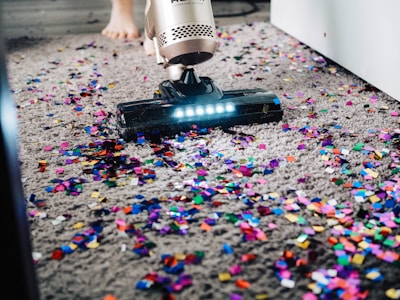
[173, 208]
[369, 225]
[389, 242]
[338, 246]
[339, 182]
[378, 237]
[301, 220]
[347, 172]
[199, 253]
[174, 227]
[302, 237]
[343, 260]
[257, 172]
[395, 171]
[111, 183]
[150, 245]
[358, 147]
[231, 218]
[198, 199]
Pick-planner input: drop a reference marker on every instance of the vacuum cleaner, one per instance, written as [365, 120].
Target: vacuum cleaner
[184, 35]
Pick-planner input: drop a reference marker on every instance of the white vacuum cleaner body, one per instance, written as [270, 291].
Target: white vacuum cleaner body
[183, 31]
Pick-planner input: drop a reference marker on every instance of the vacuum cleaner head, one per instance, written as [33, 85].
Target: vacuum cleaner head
[198, 101]
[184, 35]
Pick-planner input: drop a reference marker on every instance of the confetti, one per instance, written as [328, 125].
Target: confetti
[338, 237]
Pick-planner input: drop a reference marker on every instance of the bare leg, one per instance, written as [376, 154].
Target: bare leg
[148, 43]
[121, 24]
[148, 46]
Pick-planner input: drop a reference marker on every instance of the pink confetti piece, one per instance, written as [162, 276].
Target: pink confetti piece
[309, 296]
[64, 145]
[250, 193]
[235, 269]
[138, 170]
[202, 172]
[272, 225]
[262, 181]
[248, 185]
[60, 188]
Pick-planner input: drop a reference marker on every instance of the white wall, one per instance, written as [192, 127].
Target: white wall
[363, 36]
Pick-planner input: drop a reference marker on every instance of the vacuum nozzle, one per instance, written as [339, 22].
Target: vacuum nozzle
[194, 100]
[184, 35]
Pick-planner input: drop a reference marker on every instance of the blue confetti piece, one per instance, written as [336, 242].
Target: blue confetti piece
[268, 171]
[177, 269]
[49, 189]
[369, 165]
[227, 249]
[277, 211]
[377, 206]
[88, 129]
[316, 199]
[389, 203]
[357, 184]
[143, 284]
[254, 221]
[247, 216]
[66, 249]
[136, 209]
[396, 210]
[140, 140]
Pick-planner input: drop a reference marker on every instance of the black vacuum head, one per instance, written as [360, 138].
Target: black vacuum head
[179, 105]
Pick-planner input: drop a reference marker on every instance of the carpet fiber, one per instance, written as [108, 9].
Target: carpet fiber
[306, 208]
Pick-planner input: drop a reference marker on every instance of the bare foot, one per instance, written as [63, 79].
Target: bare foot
[121, 24]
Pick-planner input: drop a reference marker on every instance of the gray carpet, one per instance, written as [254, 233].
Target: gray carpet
[306, 208]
